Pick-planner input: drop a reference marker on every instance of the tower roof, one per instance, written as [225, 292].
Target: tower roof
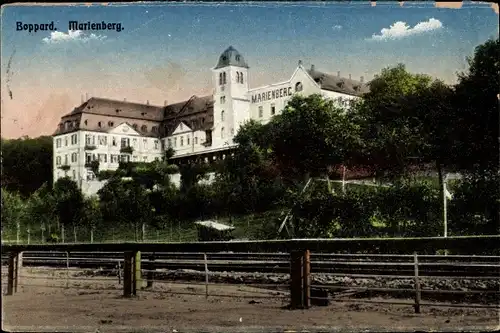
[231, 57]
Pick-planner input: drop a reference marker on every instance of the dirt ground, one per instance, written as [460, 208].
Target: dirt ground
[42, 303]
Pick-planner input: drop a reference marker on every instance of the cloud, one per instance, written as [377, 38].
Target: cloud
[337, 27]
[401, 29]
[72, 36]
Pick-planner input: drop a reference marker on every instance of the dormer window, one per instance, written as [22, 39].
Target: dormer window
[134, 126]
[85, 122]
[110, 123]
[99, 124]
[340, 84]
[237, 58]
[144, 128]
[154, 129]
[298, 87]
[224, 58]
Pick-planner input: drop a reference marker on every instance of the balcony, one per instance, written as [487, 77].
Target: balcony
[127, 150]
[65, 167]
[90, 147]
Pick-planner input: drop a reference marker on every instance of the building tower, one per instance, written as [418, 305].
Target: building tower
[231, 104]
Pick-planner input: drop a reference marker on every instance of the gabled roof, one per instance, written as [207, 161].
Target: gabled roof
[214, 225]
[339, 84]
[193, 105]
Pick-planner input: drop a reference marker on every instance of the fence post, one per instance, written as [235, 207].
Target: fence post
[296, 280]
[128, 274]
[306, 279]
[417, 285]
[137, 272]
[151, 268]
[206, 275]
[119, 273]
[17, 263]
[12, 276]
[67, 269]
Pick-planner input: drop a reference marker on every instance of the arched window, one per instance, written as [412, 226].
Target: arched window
[144, 128]
[134, 126]
[238, 77]
[85, 122]
[222, 115]
[99, 124]
[222, 133]
[224, 78]
[220, 79]
[241, 77]
[298, 87]
[110, 123]
[154, 129]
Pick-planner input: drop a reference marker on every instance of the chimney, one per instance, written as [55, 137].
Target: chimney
[349, 76]
[312, 68]
[86, 96]
[81, 98]
[147, 102]
[361, 79]
[300, 63]
[338, 73]
[165, 103]
[124, 99]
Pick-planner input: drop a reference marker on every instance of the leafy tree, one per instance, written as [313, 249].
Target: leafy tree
[125, 202]
[41, 207]
[476, 111]
[69, 201]
[312, 135]
[13, 212]
[26, 164]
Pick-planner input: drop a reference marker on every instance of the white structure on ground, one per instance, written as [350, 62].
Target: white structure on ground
[109, 131]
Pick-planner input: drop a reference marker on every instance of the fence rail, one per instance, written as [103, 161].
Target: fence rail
[132, 270]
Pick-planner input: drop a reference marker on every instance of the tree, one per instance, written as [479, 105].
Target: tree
[26, 164]
[312, 135]
[476, 111]
[13, 213]
[69, 202]
[125, 202]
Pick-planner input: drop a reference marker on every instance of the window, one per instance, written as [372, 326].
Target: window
[175, 142]
[238, 77]
[74, 174]
[66, 141]
[145, 143]
[298, 87]
[182, 141]
[224, 78]
[88, 139]
[74, 157]
[241, 77]
[58, 143]
[145, 158]
[66, 159]
[220, 79]
[125, 158]
[157, 144]
[195, 140]
[103, 140]
[144, 128]
[85, 122]
[125, 142]
[222, 115]
[187, 139]
[102, 158]
[134, 143]
[58, 160]
[88, 157]
[114, 158]
[222, 132]
[113, 143]
[273, 109]
[134, 126]
[261, 111]
[110, 123]
[237, 58]
[154, 129]
[223, 99]
[99, 124]
[169, 143]
[74, 139]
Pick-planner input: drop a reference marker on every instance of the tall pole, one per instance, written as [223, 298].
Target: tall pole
[445, 213]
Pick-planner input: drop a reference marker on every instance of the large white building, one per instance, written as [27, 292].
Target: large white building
[110, 131]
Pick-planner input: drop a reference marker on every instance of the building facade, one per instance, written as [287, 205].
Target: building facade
[201, 128]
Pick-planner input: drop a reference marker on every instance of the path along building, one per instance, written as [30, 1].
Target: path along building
[200, 128]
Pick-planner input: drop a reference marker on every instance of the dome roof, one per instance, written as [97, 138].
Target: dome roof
[231, 57]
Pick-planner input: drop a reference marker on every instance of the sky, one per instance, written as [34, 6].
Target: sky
[165, 52]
